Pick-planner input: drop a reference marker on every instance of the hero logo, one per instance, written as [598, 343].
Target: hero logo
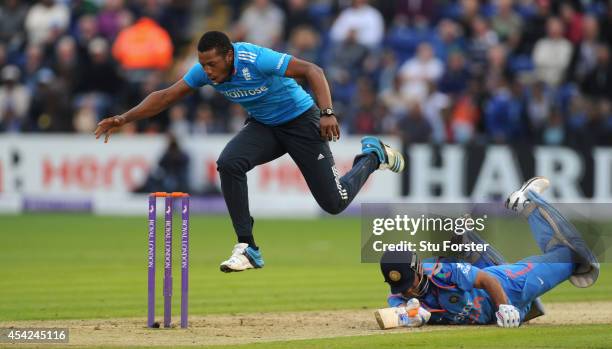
[239, 93]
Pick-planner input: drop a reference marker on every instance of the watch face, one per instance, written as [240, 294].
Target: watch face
[328, 111]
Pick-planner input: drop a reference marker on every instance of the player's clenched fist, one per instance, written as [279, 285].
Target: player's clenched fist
[508, 316]
[108, 126]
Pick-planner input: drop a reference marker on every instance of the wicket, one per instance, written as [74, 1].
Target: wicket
[169, 201]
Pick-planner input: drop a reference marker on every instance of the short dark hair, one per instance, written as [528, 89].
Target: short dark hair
[215, 40]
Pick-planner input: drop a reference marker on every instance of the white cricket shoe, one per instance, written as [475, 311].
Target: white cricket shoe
[243, 257]
[518, 200]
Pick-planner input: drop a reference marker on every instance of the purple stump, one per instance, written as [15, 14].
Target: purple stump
[184, 260]
[168, 263]
[151, 261]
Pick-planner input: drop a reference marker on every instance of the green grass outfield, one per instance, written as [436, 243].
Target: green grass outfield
[88, 267]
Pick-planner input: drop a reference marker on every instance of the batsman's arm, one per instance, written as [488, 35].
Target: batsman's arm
[153, 104]
[490, 284]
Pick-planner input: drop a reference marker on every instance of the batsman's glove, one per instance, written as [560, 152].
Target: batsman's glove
[508, 316]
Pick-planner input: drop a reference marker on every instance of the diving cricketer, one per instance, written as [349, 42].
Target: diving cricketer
[283, 118]
[447, 291]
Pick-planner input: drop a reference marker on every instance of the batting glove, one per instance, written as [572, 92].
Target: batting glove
[508, 316]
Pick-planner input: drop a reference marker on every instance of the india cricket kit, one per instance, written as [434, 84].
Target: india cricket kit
[452, 299]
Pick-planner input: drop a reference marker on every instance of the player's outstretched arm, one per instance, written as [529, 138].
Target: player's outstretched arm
[315, 76]
[507, 314]
[153, 104]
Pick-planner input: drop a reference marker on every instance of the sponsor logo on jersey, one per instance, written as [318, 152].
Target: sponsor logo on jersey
[240, 93]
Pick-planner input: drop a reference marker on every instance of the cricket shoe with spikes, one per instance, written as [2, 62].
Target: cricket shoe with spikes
[243, 257]
[388, 157]
[518, 200]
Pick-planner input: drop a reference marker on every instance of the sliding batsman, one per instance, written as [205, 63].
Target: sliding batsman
[483, 289]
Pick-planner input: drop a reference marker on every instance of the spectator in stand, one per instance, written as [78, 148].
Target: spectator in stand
[538, 109]
[87, 31]
[552, 54]
[14, 100]
[606, 25]
[12, 18]
[419, 71]
[45, 19]
[348, 55]
[99, 74]
[66, 63]
[504, 113]
[469, 12]
[171, 173]
[387, 70]
[179, 124]
[481, 41]
[554, 130]
[413, 127]
[393, 99]
[109, 18]
[143, 47]
[205, 121]
[3, 55]
[598, 81]
[506, 22]
[364, 116]
[572, 21]
[448, 38]
[535, 28]
[363, 19]
[414, 10]
[85, 116]
[464, 115]
[34, 61]
[99, 79]
[585, 55]
[298, 16]
[435, 109]
[50, 108]
[456, 76]
[261, 23]
[305, 44]
[497, 67]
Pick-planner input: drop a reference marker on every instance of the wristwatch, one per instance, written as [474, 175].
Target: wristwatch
[327, 112]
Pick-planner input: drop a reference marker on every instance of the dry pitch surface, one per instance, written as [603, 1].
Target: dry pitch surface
[267, 327]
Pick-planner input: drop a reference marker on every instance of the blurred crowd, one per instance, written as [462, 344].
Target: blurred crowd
[438, 71]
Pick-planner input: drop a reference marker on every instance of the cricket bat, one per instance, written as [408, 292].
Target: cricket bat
[407, 316]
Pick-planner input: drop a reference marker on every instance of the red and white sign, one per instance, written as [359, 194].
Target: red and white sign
[80, 165]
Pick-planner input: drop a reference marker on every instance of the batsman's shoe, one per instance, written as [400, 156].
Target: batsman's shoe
[518, 200]
[243, 257]
[388, 157]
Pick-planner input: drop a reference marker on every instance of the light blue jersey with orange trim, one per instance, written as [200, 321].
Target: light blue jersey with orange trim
[258, 83]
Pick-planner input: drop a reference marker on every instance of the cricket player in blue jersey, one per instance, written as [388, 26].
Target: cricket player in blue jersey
[283, 118]
[456, 292]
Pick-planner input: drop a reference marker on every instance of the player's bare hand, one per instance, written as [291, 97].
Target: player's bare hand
[109, 126]
[330, 130]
